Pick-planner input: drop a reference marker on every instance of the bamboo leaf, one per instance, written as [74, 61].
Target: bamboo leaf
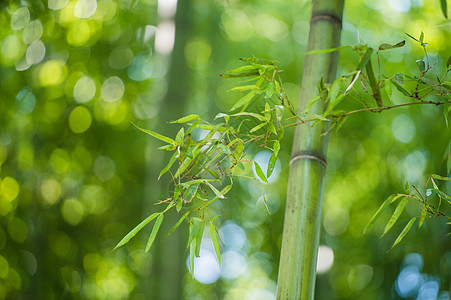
[446, 111]
[245, 88]
[259, 117]
[154, 232]
[215, 191]
[156, 135]
[239, 149]
[271, 165]
[261, 61]
[400, 88]
[215, 240]
[435, 176]
[259, 172]
[169, 165]
[194, 125]
[448, 62]
[399, 209]
[421, 65]
[180, 136]
[412, 37]
[442, 194]
[243, 69]
[135, 230]
[186, 119]
[198, 239]
[178, 223]
[193, 229]
[377, 213]
[327, 50]
[168, 147]
[244, 101]
[404, 232]
[257, 127]
[272, 128]
[276, 147]
[191, 182]
[373, 83]
[388, 46]
[192, 251]
[424, 212]
[212, 173]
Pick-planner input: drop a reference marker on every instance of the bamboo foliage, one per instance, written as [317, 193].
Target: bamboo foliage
[308, 163]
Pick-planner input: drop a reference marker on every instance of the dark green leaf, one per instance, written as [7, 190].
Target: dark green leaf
[400, 88]
[186, 119]
[327, 50]
[388, 46]
[154, 232]
[212, 173]
[412, 37]
[424, 212]
[156, 135]
[444, 8]
[365, 59]
[407, 188]
[215, 240]
[421, 65]
[215, 191]
[399, 209]
[442, 194]
[135, 230]
[194, 229]
[399, 77]
[448, 62]
[259, 172]
[404, 232]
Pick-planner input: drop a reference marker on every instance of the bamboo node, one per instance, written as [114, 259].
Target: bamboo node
[309, 155]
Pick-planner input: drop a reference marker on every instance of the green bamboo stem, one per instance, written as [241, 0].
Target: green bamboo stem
[297, 269]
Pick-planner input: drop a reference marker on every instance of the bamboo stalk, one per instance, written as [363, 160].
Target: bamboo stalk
[297, 269]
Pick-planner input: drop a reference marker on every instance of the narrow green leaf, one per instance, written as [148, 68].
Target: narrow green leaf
[259, 172]
[180, 136]
[257, 127]
[412, 37]
[178, 223]
[167, 147]
[215, 191]
[212, 173]
[404, 232]
[194, 229]
[191, 182]
[257, 116]
[377, 213]
[448, 62]
[365, 59]
[435, 176]
[192, 252]
[245, 88]
[215, 240]
[135, 230]
[243, 69]
[446, 111]
[239, 149]
[315, 116]
[156, 135]
[399, 77]
[194, 125]
[311, 103]
[271, 165]
[407, 188]
[442, 194]
[373, 83]
[184, 165]
[198, 239]
[154, 232]
[169, 165]
[388, 46]
[272, 128]
[244, 101]
[261, 61]
[424, 212]
[186, 119]
[388, 87]
[399, 209]
[421, 36]
[327, 50]
[400, 88]
[276, 147]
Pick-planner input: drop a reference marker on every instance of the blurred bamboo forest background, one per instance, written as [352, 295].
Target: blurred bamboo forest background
[76, 176]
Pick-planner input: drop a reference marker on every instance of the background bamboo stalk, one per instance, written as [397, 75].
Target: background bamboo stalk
[297, 269]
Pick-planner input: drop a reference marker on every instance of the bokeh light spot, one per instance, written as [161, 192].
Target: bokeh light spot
[79, 33]
[104, 168]
[112, 89]
[35, 52]
[50, 191]
[325, 259]
[9, 188]
[52, 73]
[4, 267]
[57, 4]
[26, 101]
[359, 277]
[80, 119]
[72, 211]
[20, 18]
[32, 32]
[403, 128]
[84, 89]
[85, 8]
[120, 57]
[11, 50]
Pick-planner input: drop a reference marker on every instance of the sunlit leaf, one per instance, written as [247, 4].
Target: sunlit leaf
[327, 50]
[215, 240]
[421, 65]
[399, 77]
[412, 37]
[435, 176]
[257, 116]
[442, 194]
[259, 172]
[272, 128]
[421, 36]
[186, 119]
[424, 212]
[194, 229]
[400, 88]
[399, 209]
[245, 88]
[154, 232]
[169, 165]
[156, 135]
[407, 188]
[180, 136]
[135, 230]
[257, 127]
[212, 173]
[261, 61]
[215, 191]
[448, 62]
[404, 232]
[239, 149]
[271, 165]
[276, 147]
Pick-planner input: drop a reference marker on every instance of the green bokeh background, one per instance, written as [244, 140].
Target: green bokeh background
[76, 176]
